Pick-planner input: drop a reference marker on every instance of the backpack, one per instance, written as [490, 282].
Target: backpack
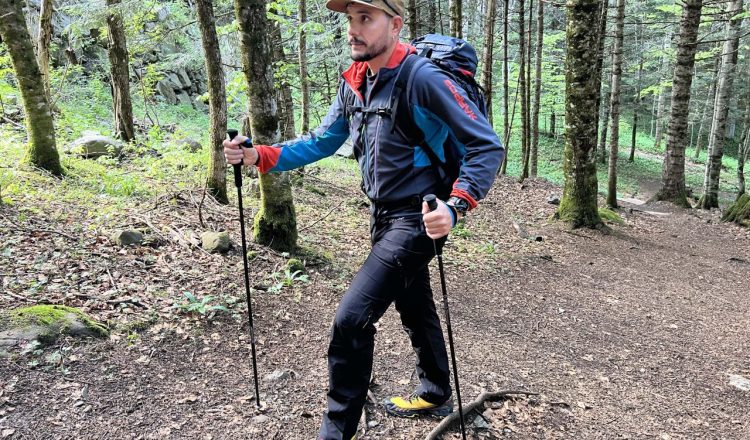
[458, 59]
[455, 57]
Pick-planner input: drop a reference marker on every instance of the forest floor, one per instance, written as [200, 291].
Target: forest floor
[629, 335]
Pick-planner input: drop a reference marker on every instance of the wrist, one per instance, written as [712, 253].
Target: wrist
[453, 213]
[459, 206]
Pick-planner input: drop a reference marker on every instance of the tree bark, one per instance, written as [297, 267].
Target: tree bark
[659, 118]
[456, 16]
[708, 106]
[413, 19]
[673, 178]
[506, 73]
[304, 77]
[742, 154]
[43, 41]
[601, 38]
[276, 222]
[120, 73]
[284, 98]
[614, 102]
[217, 101]
[537, 89]
[601, 150]
[578, 206]
[487, 57]
[41, 150]
[432, 17]
[522, 86]
[711, 180]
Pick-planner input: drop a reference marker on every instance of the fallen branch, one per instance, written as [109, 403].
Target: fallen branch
[322, 218]
[443, 426]
[31, 231]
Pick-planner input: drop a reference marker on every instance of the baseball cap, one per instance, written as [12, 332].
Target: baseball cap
[390, 7]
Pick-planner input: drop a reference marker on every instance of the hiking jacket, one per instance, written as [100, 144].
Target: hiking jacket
[391, 169]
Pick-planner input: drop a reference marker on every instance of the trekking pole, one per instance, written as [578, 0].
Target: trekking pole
[238, 183]
[432, 204]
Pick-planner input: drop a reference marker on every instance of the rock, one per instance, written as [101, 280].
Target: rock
[166, 90]
[44, 323]
[372, 423]
[739, 382]
[553, 199]
[190, 145]
[279, 375]
[216, 241]
[184, 78]
[126, 237]
[93, 146]
[295, 265]
[481, 423]
[199, 105]
[260, 420]
[183, 98]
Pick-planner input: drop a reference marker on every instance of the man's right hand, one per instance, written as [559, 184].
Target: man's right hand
[234, 154]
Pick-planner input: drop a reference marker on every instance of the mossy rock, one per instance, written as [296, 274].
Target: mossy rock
[295, 265]
[45, 323]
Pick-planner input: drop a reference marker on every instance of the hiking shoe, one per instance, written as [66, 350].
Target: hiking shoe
[414, 406]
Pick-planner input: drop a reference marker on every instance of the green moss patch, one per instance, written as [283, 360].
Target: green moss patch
[610, 216]
[46, 322]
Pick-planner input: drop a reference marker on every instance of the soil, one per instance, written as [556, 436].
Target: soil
[630, 334]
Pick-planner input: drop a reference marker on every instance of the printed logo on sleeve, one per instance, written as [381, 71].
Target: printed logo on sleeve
[460, 99]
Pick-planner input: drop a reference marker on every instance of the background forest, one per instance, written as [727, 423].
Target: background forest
[606, 271]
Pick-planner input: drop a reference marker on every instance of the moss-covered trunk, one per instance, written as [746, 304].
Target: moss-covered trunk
[217, 101]
[739, 212]
[42, 149]
[673, 179]
[43, 41]
[276, 222]
[578, 206]
[729, 55]
[120, 73]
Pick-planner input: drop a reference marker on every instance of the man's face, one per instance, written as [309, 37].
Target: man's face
[369, 31]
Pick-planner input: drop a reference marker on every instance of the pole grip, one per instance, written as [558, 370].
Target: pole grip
[431, 201]
[232, 133]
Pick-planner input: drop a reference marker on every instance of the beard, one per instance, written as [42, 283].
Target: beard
[376, 49]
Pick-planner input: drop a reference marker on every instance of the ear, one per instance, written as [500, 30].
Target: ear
[397, 23]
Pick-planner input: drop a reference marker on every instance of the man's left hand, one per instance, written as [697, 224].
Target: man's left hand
[439, 222]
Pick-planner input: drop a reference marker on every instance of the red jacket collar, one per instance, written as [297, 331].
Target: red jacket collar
[355, 74]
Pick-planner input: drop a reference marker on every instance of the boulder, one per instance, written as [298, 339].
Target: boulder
[216, 241]
[190, 145]
[167, 92]
[45, 323]
[126, 237]
[183, 98]
[184, 78]
[553, 199]
[93, 146]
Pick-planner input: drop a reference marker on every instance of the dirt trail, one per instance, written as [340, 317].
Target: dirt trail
[631, 335]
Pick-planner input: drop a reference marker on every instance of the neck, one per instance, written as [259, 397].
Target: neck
[381, 60]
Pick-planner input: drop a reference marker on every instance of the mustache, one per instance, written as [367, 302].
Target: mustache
[355, 41]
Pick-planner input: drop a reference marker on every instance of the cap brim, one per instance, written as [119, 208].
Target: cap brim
[340, 5]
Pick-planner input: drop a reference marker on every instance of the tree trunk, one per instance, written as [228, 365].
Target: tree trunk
[537, 88]
[739, 211]
[522, 86]
[456, 16]
[43, 42]
[637, 100]
[673, 186]
[659, 118]
[489, 46]
[284, 98]
[506, 73]
[578, 206]
[304, 77]
[602, 37]
[413, 19]
[602, 148]
[708, 106]
[742, 154]
[120, 72]
[276, 222]
[432, 17]
[711, 180]
[41, 151]
[614, 102]
[217, 101]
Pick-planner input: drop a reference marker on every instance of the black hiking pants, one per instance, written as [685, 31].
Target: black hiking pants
[395, 272]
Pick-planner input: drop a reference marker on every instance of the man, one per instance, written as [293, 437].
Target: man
[396, 174]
